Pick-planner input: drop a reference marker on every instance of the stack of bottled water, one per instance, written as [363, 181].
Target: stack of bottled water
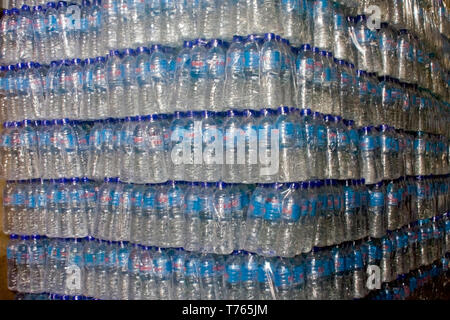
[284, 145]
[224, 149]
[119, 270]
[252, 74]
[271, 219]
[90, 28]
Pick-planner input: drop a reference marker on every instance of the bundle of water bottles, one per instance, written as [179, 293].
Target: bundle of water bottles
[404, 287]
[284, 145]
[119, 270]
[62, 29]
[237, 167]
[259, 72]
[271, 219]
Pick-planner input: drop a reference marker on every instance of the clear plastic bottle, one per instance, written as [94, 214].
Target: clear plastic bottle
[115, 78]
[185, 19]
[304, 77]
[368, 155]
[249, 126]
[288, 240]
[271, 221]
[12, 36]
[234, 74]
[160, 78]
[331, 155]
[340, 33]
[285, 125]
[12, 267]
[252, 85]
[270, 72]
[290, 20]
[268, 146]
[376, 211]
[323, 14]
[23, 264]
[130, 84]
[25, 39]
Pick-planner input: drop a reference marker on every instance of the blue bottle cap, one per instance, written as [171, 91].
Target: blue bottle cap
[305, 47]
[269, 36]
[283, 110]
[237, 38]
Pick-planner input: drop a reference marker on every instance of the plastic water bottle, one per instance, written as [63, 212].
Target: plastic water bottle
[386, 259]
[110, 18]
[4, 52]
[193, 276]
[271, 221]
[285, 123]
[233, 143]
[252, 47]
[270, 71]
[215, 59]
[95, 89]
[130, 107]
[192, 218]
[80, 222]
[25, 34]
[23, 264]
[304, 76]
[89, 257]
[266, 270]
[11, 255]
[185, 19]
[251, 170]
[288, 240]
[115, 76]
[69, 34]
[207, 219]
[145, 90]
[208, 18]
[12, 34]
[376, 211]
[223, 220]
[322, 15]
[368, 155]
[134, 267]
[85, 43]
[249, 276]
[123, 253]
[233, 276]
[74, 267]
[179, 285]
[283, 279]
[160, 78]
[211, 168]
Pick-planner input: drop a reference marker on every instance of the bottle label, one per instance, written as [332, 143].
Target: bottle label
[367, 143]
[271, 61]
[249, 271]
[283, 276]
[321, 136]
[299, 275]
[291, 212]
[376, 199]
[232, 274]
[251, 59]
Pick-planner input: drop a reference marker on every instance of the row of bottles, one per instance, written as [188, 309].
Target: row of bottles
[269, 219]
[61, 30]
[404, 287]
[119, 270]
[284, 145]
[253, 73]
[413, 284]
